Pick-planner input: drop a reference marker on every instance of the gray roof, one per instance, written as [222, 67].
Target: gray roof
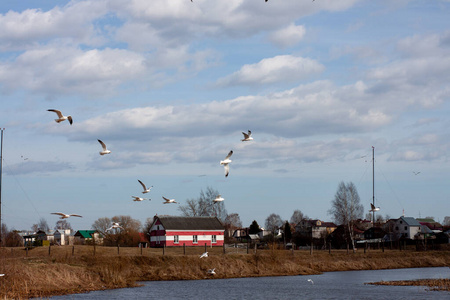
[410, 221]
[190, 223]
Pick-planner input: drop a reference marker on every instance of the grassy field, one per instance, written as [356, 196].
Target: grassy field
[43, 272]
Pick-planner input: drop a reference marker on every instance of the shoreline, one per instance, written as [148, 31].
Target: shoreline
[66, 270]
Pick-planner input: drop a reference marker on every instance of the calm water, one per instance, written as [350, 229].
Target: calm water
[331, 285]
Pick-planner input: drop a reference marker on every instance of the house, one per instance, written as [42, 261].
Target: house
[61, 236]
[38, 238]
[374, 233]
[143, 241]
[189, 231]
[431, 224]
[88, 236]
[315, 229]
[407, 227]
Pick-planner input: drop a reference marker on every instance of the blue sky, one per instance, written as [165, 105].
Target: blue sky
[170, 85]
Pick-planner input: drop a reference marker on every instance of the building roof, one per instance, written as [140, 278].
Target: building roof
[190, 223]
[87, 234]
[410, 221]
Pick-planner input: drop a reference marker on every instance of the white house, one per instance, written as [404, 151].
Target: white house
[61, 236]
[407, 227]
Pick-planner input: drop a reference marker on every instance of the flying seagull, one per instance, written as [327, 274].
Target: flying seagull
[212, 271]
[247, 136]
[104, 151]
[373, 208]
[310, 280]
[114, 225]
[139, 198]
[225, 163]
[168, 200]
[146, 190]
[65, 216]
[204, 255]
[218, 199]
[416, 173]
[61, 117]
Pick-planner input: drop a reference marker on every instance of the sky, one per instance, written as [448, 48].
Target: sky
[170, 86]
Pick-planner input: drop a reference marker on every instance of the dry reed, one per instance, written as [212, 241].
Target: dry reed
[41, 274]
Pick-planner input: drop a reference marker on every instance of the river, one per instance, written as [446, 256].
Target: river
[330, 285]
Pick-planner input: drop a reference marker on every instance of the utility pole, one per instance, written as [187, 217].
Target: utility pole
[373, 184]
[1, 172]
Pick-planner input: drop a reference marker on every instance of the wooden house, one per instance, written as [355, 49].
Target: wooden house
[188, 231]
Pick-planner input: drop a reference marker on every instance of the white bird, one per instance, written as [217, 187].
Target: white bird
[247, 136]
[114, 225]
[212, 271]
[310, 280]
[2, 275]
[373, 208]
[225, 163]
[65, 216]
[61, 117]
[146, 190]
[139, 198]
[105, 151]
[169, 200]
[204, 255]
[218, 199]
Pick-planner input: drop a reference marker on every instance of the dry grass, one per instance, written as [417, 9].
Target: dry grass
[433, 284]
[41, 274]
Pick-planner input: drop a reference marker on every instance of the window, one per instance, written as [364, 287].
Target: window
[213, 239]
[406, 228]
[396, 227]
[195, 239]
[176, 239]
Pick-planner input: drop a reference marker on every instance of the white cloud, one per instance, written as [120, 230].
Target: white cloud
[54, 70]
[282, 68]
[288, 36]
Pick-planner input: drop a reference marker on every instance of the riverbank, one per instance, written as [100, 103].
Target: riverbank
[432, 284]
[44, 272]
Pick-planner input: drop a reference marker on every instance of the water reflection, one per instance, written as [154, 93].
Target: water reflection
[331, 285]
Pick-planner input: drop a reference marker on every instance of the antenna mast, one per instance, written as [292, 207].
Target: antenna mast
[1, 171]
[373, 183]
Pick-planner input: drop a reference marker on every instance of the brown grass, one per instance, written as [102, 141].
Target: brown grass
[433, 284]
[41, 274]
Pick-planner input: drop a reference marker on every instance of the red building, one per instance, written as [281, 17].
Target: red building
[189, 231]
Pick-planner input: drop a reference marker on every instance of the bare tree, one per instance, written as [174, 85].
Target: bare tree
[41, 225]
[298, 217]
[205, 206]
[63, 225]
[233, 220]
[273, 222]
[101, 225]
[346, 207]
[129, 236]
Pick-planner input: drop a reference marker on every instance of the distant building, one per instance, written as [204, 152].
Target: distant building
[315, 229]
[189, 231]
[407, 227]
[88, 237]
[62, 236]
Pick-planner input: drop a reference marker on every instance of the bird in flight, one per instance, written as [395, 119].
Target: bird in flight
[65, 216]
[168, 201]
[225, 163]
[373, 208]
[204, 255]
[218, 199]
[310, 280]
[416, 173]
[139, 198]
[104, 151]
[146, 190]
[247, 136]
[212, 271]
[114, 225]
[61, 117]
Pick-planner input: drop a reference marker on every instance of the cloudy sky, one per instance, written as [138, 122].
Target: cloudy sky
[170, 85]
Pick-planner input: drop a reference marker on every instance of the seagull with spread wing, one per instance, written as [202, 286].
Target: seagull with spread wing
[65, 216]
[146, 190]
[225, 163]
[247, 136]
[105, 150]
[168, 201]
[61, 117]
